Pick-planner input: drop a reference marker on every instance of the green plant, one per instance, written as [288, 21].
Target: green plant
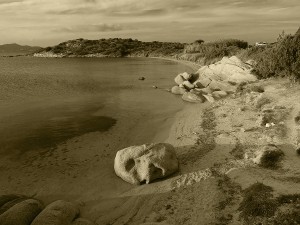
[258, 201]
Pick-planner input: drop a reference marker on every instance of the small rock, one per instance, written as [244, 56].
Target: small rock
[178, 90]
[192, 97]
[268, 125]
[202, 83]
[142, 78]
[186, 76]
[179, 79]
[219, 94]
[209, 98]
[154, 86]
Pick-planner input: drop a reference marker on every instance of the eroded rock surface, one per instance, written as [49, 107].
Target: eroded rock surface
[22, 213]
[57, 213]
[145, 163]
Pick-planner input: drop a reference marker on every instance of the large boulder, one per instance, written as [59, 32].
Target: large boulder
[228, 69]
[22, 213]
[178, 90]
[145, 163]
[57, 213]
[192, 97]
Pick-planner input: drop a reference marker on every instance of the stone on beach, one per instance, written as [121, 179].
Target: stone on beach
[192, 97]
[22, 213]
[178, 90]
[145, 163]
[57, 213]
[186, 76]
[219, 94]
[188, 85]
[209, 98]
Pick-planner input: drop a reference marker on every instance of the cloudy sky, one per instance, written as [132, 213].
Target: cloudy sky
[46, 23]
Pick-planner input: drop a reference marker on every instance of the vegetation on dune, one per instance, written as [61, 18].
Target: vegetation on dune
[258, 201]
[116, 47]
[281, 59]
[214, 51]
[260, 207]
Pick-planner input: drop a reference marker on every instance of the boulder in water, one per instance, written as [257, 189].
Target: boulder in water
[145, 163]
[179, 79]
[57, 213]
[22, 213]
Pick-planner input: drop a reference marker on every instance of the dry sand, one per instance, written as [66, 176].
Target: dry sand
[211, 141]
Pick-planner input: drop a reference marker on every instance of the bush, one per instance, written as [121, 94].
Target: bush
[281, 59]
[258, 202]
[214, 51]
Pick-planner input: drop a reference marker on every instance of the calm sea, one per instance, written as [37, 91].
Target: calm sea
[45, 101]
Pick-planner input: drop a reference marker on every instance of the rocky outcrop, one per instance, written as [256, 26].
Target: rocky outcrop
[22, 213]
[215, 81]
[145, 163]
[57, 213]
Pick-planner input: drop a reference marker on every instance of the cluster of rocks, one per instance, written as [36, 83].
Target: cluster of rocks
[145, 163]
[23, 210]
[213, 82]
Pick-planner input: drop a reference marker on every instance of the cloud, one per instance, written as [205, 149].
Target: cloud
[2, 2]
[90, 28]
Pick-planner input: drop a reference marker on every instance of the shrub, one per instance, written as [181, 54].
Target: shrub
[258, 202]
[282, 59]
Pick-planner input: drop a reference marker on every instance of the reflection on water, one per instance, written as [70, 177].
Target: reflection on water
[47, 127]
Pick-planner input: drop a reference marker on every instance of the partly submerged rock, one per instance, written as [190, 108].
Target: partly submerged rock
[57, 213]
[145, 163]
[179, 79]
[178, 90]
[269, 156]
[192, 97]
[22, 213]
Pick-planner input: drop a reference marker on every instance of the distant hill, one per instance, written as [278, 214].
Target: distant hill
[15, 49]
[112, 47]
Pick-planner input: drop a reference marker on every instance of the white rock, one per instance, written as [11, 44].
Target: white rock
[145, 163]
